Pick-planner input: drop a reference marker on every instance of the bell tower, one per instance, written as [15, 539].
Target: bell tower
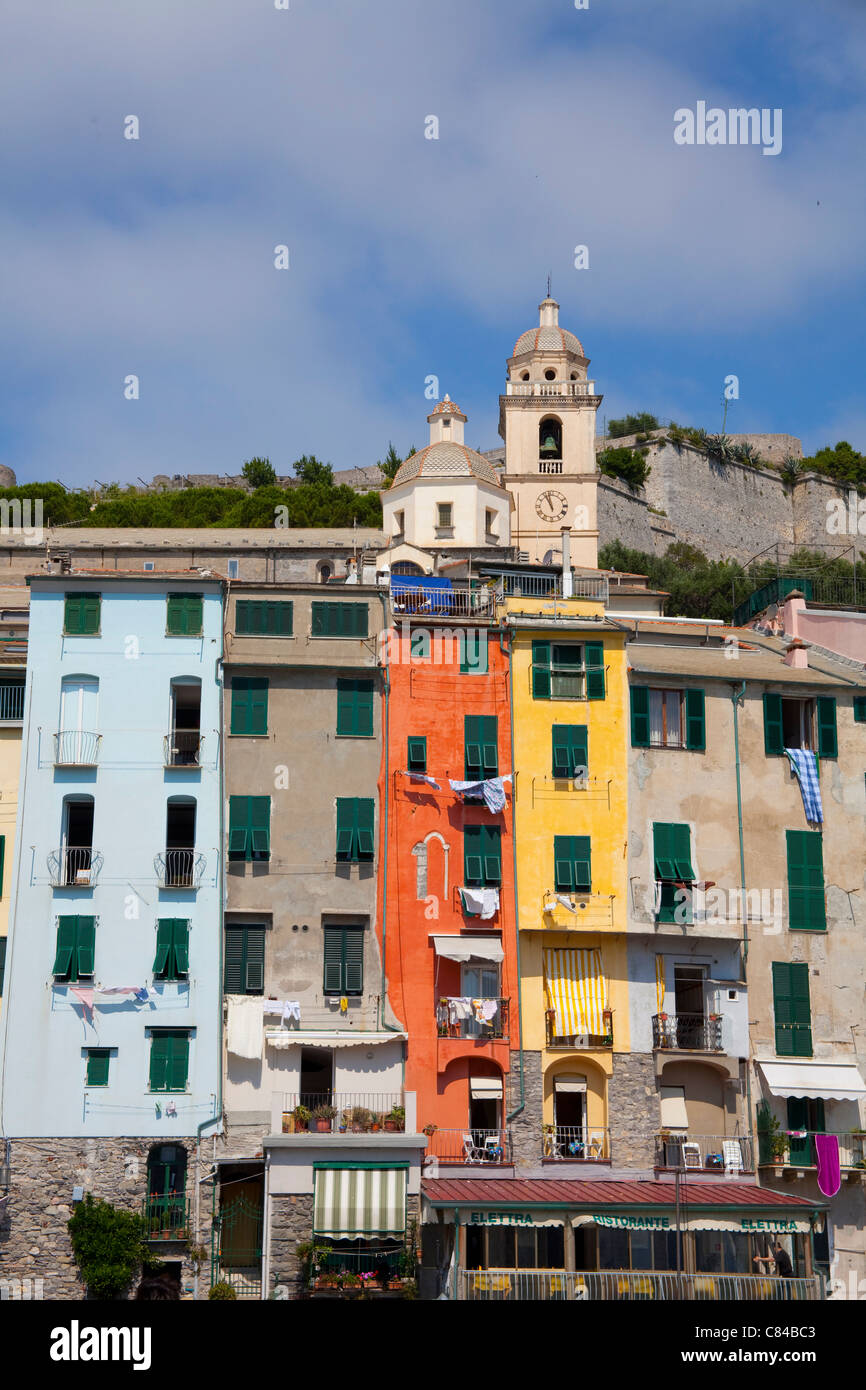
[547, 420]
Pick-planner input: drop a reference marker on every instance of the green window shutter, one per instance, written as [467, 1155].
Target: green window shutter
[473, 653]
[97, 1066]
[640, 720]
[773, 738]
[254, 969]
[346, 825]
[696, 737]
[159, 1050]
[365, 820]
[2, 964]
[472, 856]
[249, 705]
[249, 827]
[181, 946]
[244, 617]
[234, 971]
[178, 1061]
[320, 617]
[482, 856]
[581, 856]
[594, 662]
[472, 748]
[72, 614]
[333, 960]
[419, 645]
[682, 853]
[828, 743]
[359, 616]
[541, 670]
[806, 906]
[239, 834]
[417, 754]
[284, 613]
[489, 745]
[355, 708]
[345, 708]
[792, 1009]
[353, 960]
[81, 614]
[2, 861]
[860, 709]
[67, 941]
[563, 864]
[572, 863]
[260, 826]
[184, 615]
[164, 942]
[663, 851]
[86, 945]
[561, 750]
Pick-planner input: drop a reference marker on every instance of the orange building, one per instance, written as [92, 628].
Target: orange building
[446, 870]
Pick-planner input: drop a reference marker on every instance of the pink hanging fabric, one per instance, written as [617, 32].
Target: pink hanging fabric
[84, 995]
[829, 1172]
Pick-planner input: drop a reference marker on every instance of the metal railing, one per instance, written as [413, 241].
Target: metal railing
[615, 1286]
[182, 748]
[76, 748]
[579, 1041]
[796, 1149]
[589, 910]
[727, 1153]
[74, 867]
[575, 1144]
[165, 1217]
[470, 1146]
[688, 1032]
[453, 1021]
[550, 388]
[340, 1112]
[11, 702]
[179, 868]
[550, 586]
[441, 603]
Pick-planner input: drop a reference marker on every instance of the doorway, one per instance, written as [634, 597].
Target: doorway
[185, 724]
[480, 982]
[317, 1077]
[78, 840]
[166, 1192]
[689, 995]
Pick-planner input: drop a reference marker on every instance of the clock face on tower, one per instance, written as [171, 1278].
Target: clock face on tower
[551, 506]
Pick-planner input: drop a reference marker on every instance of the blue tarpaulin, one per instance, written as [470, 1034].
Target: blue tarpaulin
[421, 593]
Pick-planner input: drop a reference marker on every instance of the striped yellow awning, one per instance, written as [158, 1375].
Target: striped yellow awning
[576, 992]
[352, 1202]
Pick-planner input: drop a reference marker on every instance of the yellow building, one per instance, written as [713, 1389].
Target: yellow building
[569, 694]
[14, 615]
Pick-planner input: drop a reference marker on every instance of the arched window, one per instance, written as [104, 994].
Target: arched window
[166, 1192]
[78, 740]
[406, 567]
[324, 573]
[550, 438]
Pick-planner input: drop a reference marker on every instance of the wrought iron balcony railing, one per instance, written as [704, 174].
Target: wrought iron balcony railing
[11, 703]
[575, 1144]
[74, 867]
[76, 748]
[182, 748]
[471, 1146]
[179, 868]
[343, 1112]
[796, 1149]
[618, 1285]
[725, 1153]
[475, 1018]
[688, 1032]
[165, 1217]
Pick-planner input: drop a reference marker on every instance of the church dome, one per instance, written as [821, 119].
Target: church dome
[446, 460]
[548, 336]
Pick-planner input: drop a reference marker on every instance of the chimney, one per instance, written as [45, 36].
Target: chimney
[797, 655]
[567, 576]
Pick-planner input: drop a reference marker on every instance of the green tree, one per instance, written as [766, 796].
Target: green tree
[843, 463]
[391, 462]
[628, 464]
[259, 472]
[632, 424]
[108, 1246]
[311, 470]
[697, 587]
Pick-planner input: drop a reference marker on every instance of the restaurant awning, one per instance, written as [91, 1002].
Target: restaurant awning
[485, 1087]
[359, 1202]
[815, 1080]
[465, 948]
[708, 1221]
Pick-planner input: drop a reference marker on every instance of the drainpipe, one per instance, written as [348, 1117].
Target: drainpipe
[567, 576]
[522, 1105]
[738, 694]
[388, 1027]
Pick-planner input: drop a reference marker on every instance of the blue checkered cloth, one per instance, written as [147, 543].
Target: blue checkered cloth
[805, 768]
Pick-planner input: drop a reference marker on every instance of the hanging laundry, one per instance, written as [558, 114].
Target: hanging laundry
[419, 777]
[286, 1008]
[84, 995]
[804, 765]
[480, 902]
[492, 790]
[459, 1008]
[829, 1171]
[244, 1031]
[565, 902]
[487, 1009]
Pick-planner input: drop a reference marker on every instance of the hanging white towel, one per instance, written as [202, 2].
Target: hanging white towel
[484, 902]
[459, 1008]
[489, 1008]
[244, 1033]
[565, 902]
[419, 777]
[492, 789]
[657, 897]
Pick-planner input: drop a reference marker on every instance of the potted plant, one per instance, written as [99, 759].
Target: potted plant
[360, 1119]
[429, 1130]
[396, 1118]
[301, 1116]
[375, 1122]
[322, 1116]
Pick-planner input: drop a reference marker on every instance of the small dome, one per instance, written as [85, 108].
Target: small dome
[548, 336]
[447, 407]
[444, 460]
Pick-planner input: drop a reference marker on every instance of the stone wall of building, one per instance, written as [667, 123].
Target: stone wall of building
[34, 1241]
[526, 1127]
[633, 1110]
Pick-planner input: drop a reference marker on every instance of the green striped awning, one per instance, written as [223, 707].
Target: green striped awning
[351, 1202]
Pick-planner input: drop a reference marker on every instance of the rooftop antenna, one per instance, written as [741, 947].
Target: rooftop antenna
[548, 286]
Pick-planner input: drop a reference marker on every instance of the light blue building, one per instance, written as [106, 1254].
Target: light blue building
[112, 1008]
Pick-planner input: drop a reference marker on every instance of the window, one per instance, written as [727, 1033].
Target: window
[249, 705]
[791, 1009]
[860, 709]
[233, 568]
[473, 653]
[172, 949]
[263, 618]
[673, 867]
[444, 515]
[567, 671]
[169, 1059]
[355, 708]
[569, 749]
[417, 754]
[667, 718]
[804, 1114]
[97, 1066]
[355, 823]
[338, 619]
[244, 960]
[185, 723]
[490, 521]
[795, 724]
[481, 759]
[148, 566]
[399, 521]
[184, 615]
[81, 615]
[503, 1247]
[343, 960]
[806, 906]
[76, 868]
[249, 827]
[550, 434]
[571, 860]
[76, 948]
[482, 856]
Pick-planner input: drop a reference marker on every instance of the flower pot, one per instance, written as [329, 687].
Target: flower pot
[375, 1127]
[323, 1126]
[390, 1126]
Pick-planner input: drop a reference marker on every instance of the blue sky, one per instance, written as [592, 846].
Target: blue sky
[411, 257]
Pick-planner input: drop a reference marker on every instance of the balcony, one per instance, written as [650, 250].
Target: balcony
[588, 911]
[179, 868]
[74, 867]
[465, 1018]
[721, 1153]
[413, 599]
[550, 388]
[796, 1149]
[76, 748]
[471, 1146]
[340, 1112]
[166, 1217]
[579, 1041]
[182, 748]
[688, 1032]
[616, 1286]
[528, 585]
[11, 703]
[575, 1144]
[550, 465]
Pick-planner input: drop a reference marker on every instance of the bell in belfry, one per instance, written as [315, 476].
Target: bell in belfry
[549, 448]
